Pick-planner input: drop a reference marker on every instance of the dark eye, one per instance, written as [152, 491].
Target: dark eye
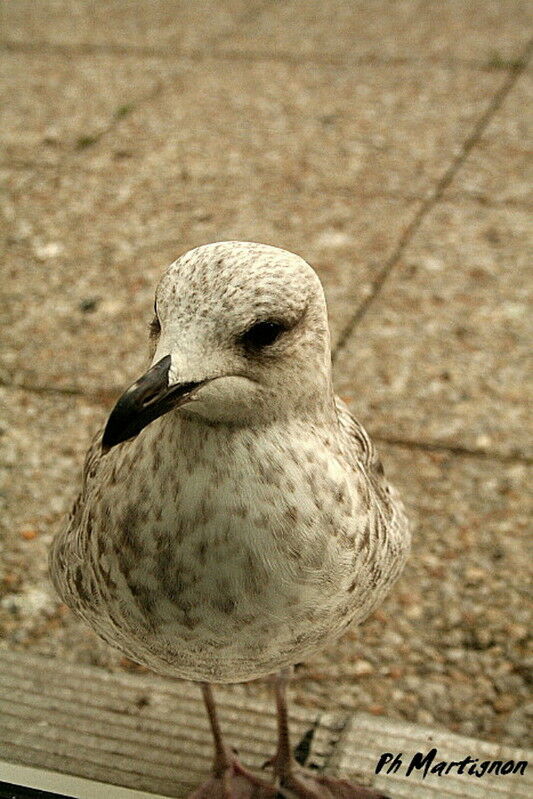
[155, 327]
[262, 334]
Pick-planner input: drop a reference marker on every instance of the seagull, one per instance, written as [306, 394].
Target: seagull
[234, 517]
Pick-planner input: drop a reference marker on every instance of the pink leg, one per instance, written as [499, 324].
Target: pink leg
[223, 758]
[229, 779]
[297, 782]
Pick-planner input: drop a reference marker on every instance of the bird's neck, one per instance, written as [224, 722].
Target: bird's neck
[184, 434]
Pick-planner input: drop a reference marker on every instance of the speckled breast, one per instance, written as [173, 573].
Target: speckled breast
[225, 574]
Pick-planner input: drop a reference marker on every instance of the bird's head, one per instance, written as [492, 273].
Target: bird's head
[240, 336]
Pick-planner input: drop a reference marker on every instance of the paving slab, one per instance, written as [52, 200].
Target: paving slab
[449, 646]
[490, 32]
[50, 109]
[499, 168]
[85, 252]
[165, 25]
[442, 353]
[367, 129]
[365, 737]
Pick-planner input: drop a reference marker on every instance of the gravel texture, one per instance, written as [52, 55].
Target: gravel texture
[126, 245]
[442, 352]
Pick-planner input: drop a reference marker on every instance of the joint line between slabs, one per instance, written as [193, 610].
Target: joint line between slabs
[435, 197]
[100, 396]
[339, 743]
[280, 57]
[452, 449]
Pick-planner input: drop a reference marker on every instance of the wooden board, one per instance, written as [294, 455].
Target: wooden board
[366, 737]
[151, 735]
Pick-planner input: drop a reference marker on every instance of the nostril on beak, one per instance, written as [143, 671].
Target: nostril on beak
[152, 396]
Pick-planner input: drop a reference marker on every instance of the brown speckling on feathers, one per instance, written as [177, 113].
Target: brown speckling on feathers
[241, 532]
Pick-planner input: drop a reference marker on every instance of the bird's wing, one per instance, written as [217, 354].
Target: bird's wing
[361, 453]
[356, 442]
[92, 458]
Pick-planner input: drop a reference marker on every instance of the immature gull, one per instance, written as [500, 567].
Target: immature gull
[233, 517]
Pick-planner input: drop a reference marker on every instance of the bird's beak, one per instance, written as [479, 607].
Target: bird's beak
[147, 399]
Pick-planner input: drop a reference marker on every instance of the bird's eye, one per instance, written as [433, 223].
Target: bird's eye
[155, 327]
[262, 334]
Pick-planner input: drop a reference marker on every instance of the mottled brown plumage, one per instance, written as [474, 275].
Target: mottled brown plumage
[240, 531]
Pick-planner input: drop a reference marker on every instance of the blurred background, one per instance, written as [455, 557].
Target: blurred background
[386, 142]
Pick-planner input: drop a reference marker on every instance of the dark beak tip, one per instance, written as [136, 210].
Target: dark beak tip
[108, 441]
[145, 400]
